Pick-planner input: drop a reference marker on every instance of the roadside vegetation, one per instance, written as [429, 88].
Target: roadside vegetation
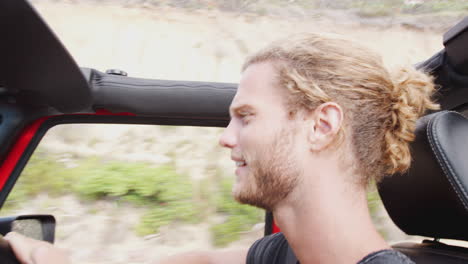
[166, 196]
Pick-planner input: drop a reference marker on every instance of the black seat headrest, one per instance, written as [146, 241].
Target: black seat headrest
[431, 198]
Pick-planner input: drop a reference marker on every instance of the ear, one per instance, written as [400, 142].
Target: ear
[325, 124]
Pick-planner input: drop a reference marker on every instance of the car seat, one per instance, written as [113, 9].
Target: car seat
[431, 199]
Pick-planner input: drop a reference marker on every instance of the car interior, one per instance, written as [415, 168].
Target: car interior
[431, 198]
[41, 86]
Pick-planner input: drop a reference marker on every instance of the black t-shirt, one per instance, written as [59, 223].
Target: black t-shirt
[274, 249]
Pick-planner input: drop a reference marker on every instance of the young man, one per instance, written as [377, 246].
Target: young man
[315, 119]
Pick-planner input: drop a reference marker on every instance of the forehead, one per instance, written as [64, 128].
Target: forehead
[258, 86]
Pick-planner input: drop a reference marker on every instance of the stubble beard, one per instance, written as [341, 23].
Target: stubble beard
[274, 174]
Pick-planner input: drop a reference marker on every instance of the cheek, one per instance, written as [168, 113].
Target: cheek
[259, 133]
[253, 136]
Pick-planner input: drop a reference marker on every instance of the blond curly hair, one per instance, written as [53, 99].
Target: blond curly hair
[380, 107]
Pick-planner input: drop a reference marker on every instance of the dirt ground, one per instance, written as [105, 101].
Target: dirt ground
[200, 45]
[204, 45]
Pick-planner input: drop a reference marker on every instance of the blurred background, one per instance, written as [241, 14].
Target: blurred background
[133, 194]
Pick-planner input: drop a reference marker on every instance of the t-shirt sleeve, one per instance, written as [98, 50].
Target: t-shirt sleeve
[386, 256]
[270, 249]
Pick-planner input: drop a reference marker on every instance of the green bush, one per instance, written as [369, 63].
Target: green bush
[239, 217]
[42, 174]
[139, 182]
[165, 214]
[166, 194]
[375, 206]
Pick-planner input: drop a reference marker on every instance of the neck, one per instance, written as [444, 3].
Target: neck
[328, 224]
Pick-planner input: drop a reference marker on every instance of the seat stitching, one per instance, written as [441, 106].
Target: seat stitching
[438, 151]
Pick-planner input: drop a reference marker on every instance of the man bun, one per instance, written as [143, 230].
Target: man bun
[411, 97]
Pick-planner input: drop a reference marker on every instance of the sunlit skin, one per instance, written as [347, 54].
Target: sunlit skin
[318, 207]
[266, 170]
[30, 251]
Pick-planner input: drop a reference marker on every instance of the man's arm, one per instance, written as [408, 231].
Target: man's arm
[209, 257]
[30, 251]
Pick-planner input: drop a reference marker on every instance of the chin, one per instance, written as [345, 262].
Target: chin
[247, 195]
[237, 190]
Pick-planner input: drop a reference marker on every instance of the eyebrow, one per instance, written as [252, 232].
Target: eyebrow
[239, 108]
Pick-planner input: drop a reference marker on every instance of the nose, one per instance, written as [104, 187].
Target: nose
[228, 138]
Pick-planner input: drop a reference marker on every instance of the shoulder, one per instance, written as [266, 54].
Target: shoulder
[387, 256]
[269, 249]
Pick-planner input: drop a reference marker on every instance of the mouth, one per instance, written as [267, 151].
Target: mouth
[240, 164]
[239, 161]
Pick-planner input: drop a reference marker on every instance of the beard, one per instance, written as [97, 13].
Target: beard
[273, 173]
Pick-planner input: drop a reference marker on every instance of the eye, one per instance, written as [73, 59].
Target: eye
[245, 116]
[243, 113]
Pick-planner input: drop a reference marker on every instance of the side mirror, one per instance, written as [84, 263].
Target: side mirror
[40, 227]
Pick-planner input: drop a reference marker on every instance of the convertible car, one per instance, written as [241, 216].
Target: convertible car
[41, 86]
